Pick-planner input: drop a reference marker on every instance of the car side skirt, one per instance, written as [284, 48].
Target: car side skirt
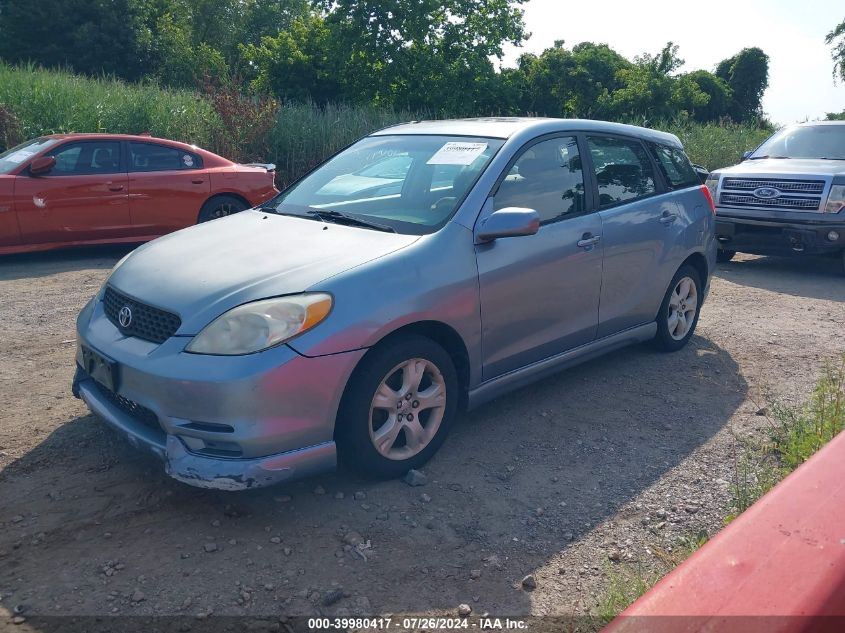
[517, 378]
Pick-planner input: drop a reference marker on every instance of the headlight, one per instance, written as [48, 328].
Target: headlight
[835, 199]
[259, 325]
[712, 183]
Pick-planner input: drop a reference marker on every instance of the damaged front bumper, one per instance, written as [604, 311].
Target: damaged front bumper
[199, 470]
[224, 422]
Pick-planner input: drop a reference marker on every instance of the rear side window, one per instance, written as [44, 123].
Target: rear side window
[153, 157]
[624, 172]
[676, 167]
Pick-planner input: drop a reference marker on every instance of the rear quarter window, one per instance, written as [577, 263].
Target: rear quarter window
[676, 167]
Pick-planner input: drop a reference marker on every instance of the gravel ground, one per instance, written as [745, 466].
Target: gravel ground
[560, 480]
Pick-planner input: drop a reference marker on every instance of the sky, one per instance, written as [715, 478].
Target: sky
[790, 32]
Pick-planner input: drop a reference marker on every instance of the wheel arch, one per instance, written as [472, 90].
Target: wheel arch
[699, 262]
[439, 332]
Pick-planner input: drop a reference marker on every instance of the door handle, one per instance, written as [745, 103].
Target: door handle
[115, 187]
[198, 181]
[667, 218]
[588, 240]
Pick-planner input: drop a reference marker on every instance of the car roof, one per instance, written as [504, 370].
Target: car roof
[507, 127]
[816, 123]
[147, 138]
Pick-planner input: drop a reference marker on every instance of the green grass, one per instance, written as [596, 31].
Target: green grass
[628, 581]
[50, 102]
[305, 135]
[795, 434]
[34, 101]
[717, 145]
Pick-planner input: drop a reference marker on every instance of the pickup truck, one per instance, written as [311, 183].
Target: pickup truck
[787, 197]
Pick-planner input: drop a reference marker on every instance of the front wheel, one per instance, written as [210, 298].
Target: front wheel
[679, 311]
[397, 408]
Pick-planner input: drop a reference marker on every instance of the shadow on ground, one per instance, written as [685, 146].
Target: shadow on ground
[86, 521]
[34, 265]
[810, 277]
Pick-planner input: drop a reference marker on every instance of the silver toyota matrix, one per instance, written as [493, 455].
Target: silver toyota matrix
[424, 270]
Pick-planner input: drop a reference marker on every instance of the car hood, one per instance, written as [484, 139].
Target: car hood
[205, 270]
[794, 166]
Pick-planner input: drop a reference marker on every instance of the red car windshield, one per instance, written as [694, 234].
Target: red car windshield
[15, 157]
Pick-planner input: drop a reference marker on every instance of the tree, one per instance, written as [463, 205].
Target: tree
[88, 36]
[836, 38]
[414, 53]
[718, 96]
[747, 75]
[298, 64]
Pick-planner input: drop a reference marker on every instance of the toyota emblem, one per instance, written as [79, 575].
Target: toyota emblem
[766, 193]
[124, 317]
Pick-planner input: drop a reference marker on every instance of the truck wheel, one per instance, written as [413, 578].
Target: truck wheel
[723, 255]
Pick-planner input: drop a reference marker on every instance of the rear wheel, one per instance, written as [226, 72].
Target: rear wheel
[398, 407]
[724, 255]
[220, 207]
[679, 311]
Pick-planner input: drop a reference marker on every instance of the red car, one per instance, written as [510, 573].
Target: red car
[75, 189]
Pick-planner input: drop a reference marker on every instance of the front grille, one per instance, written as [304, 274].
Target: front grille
[801, 204]
[798, 186]
[134, 410]
[148, 323]
[794, 195]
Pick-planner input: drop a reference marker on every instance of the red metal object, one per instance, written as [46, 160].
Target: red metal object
[121, 196]
[779, 567]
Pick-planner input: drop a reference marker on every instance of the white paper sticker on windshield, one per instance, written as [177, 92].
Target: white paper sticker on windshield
[20, 156]
[456, 153]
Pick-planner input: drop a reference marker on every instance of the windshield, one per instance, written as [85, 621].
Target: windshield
[806, 141]
[15, 157]
[406, 183]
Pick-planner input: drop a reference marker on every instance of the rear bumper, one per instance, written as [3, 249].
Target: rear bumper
[767, 237]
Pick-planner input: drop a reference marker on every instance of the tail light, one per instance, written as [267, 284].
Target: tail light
[706, 191]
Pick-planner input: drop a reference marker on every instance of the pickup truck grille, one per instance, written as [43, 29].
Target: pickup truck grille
[791, 195]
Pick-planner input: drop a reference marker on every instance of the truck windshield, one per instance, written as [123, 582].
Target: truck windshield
[805, 141]
[409, 184]
[15, 157]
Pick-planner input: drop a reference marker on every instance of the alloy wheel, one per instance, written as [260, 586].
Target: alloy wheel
[407, 409]
[683, 304]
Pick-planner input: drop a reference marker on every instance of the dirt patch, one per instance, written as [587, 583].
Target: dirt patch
[558, 480]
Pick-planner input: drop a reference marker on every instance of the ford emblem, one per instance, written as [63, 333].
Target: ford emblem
[766, 193]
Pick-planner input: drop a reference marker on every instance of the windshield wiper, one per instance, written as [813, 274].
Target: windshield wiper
[762, 157]
[341, 218]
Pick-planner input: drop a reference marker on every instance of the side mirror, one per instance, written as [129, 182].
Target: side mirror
[508, 222]
[701, 172]
[42, 165]
[746, 155]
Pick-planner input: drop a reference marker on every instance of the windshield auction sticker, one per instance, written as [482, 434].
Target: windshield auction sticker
[455, 153]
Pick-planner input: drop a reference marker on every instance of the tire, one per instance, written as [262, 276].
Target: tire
[723, 255]
[220, 207]
[670, 336]
[387, 375]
